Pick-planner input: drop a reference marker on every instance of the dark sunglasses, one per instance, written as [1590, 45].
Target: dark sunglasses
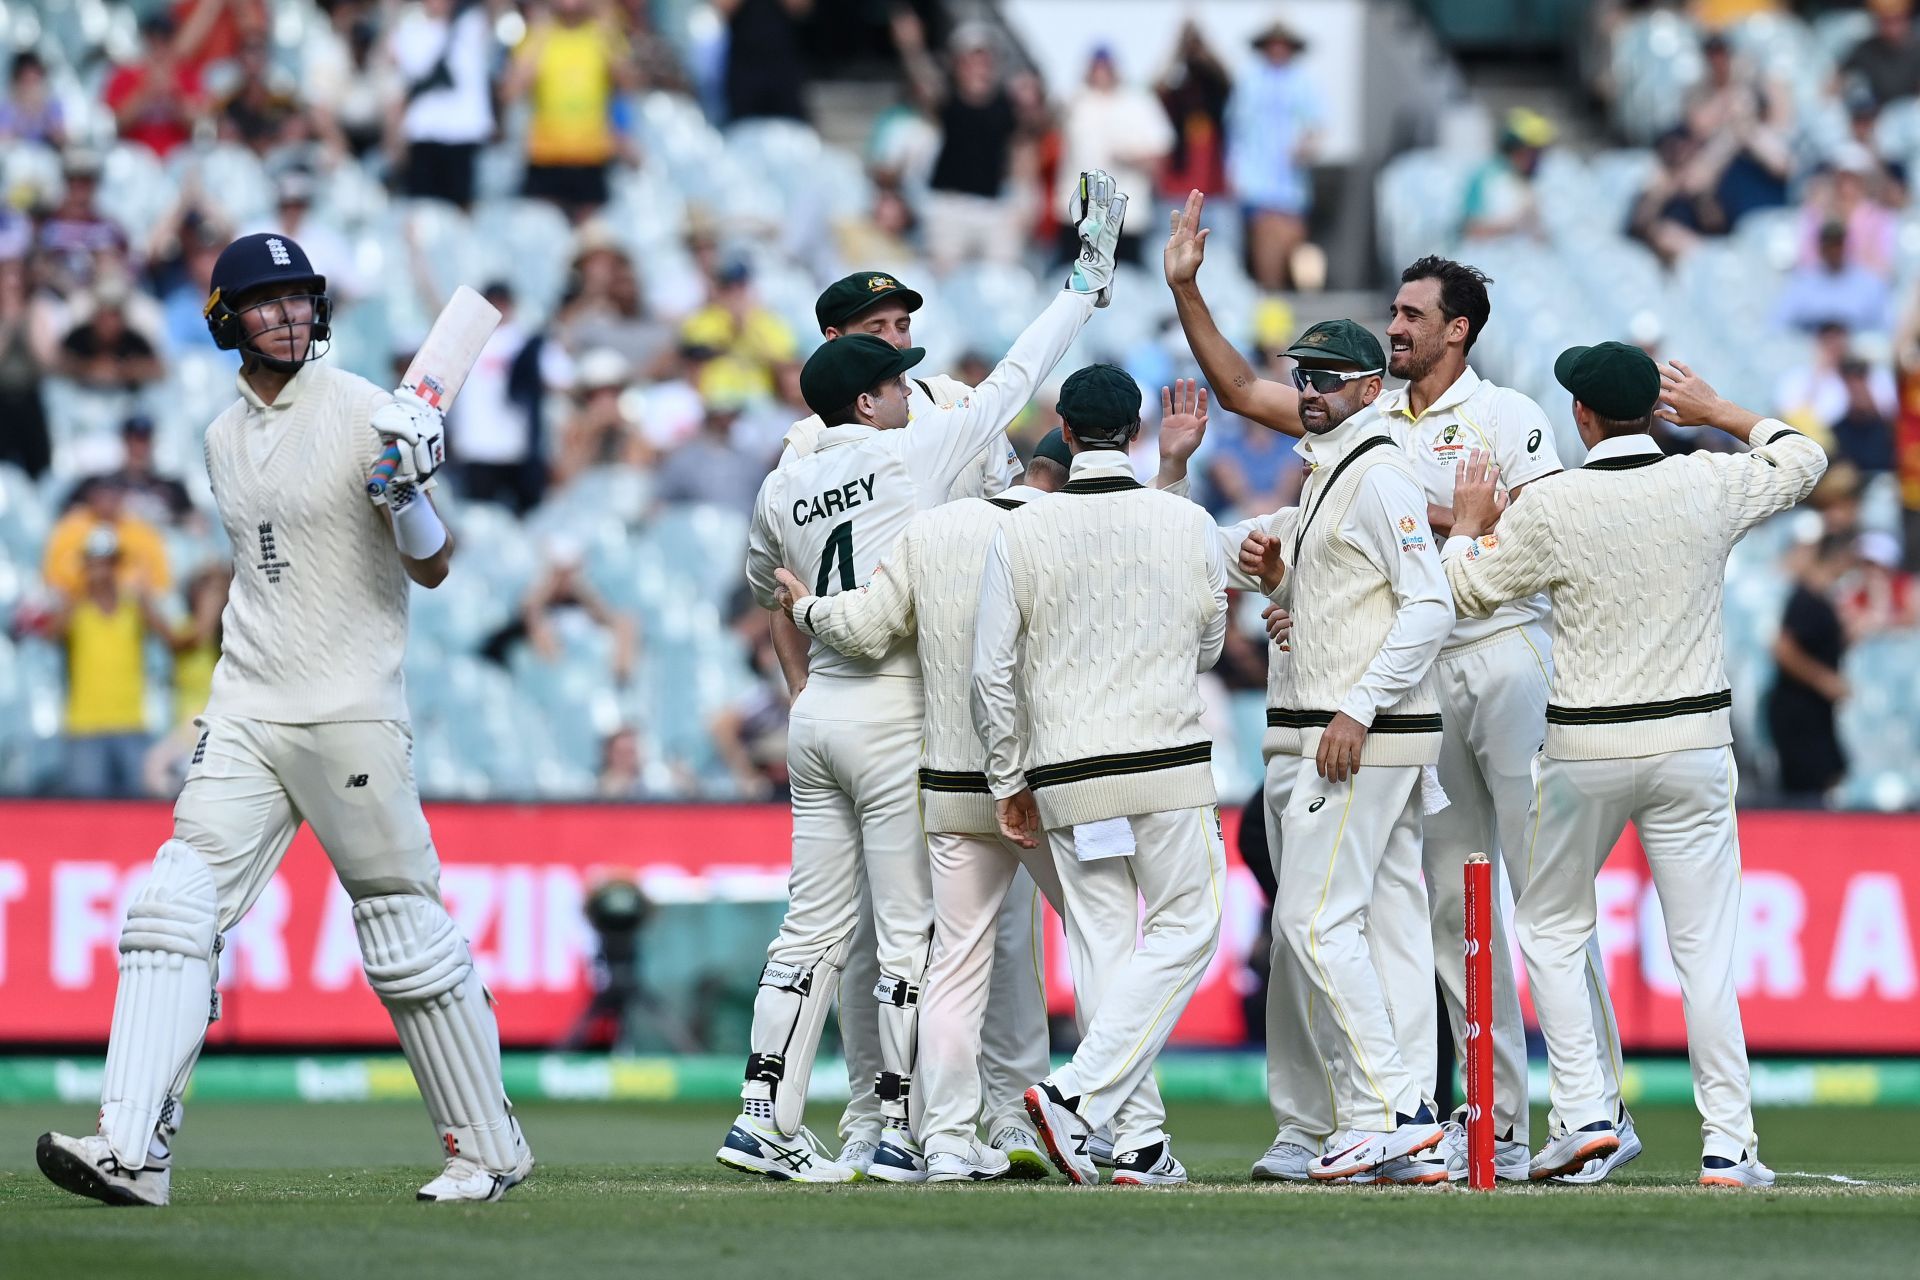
[1326, 381]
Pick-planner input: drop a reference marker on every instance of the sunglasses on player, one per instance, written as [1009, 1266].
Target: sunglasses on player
[1326, 381]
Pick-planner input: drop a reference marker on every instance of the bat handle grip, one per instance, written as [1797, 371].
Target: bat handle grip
[383, 470]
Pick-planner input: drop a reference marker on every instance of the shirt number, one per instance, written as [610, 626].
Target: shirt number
[839, 547]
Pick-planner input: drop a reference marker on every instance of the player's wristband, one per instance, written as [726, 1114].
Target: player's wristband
[417, 530]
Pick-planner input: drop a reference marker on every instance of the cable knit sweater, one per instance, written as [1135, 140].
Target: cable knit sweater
[930, 583]
[316, 623]
[1632, 548]
[1114, 589]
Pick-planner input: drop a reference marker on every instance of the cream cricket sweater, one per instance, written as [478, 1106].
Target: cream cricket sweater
[1632, 548]
[316, 623]
[1115, 590]
[1368, 600]
[930, 583]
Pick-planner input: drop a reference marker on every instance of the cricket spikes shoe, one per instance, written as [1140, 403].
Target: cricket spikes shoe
[754, 1146]
[87, 1167]
[1153, 1165]
[1064, 1131]
[1026, 1161]
[1100, 1147]
[857, 1154]
[1428, 1169]
[1601, 1167]
[1284, 1162]
[978, 1164]
[898, 1158]
[1747, 1171]
[1358, 1151]
[465, 1181]
[1568, 1152]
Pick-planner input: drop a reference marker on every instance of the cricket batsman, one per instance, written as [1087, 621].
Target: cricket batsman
[307, 722]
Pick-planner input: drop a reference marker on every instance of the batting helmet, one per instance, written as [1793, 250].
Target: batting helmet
[253, 263]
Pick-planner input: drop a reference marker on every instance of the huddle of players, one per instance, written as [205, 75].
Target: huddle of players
[1037, 655]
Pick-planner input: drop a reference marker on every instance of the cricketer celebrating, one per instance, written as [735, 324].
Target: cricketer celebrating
[1101, 605]
[1492, 672]
[307, 722]
[1014, 1039]
[856, 726]
[1632, 547]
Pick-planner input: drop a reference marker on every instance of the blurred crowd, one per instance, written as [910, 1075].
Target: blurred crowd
[588, 165]
[638, 187]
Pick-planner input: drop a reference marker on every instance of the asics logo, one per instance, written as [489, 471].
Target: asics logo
[794, 1158]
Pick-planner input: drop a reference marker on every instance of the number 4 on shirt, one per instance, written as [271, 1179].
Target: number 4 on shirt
[839, 548]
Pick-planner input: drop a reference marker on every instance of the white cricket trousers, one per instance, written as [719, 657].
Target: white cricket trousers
[1300, 1077]
[1013, 1036]
[975, 881]
[1682, 805]
[1132, 973]
[251, 783]
[1493, 701]
[1340, 842]
[856, 806]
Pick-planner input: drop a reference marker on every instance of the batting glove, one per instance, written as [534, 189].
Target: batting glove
[1097, 210]
[417, 429]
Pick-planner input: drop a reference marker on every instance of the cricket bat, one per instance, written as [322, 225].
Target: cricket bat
[442, 364]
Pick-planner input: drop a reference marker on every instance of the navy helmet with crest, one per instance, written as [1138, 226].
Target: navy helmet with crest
[262, 269]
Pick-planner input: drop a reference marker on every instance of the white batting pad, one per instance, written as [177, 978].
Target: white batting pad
[165, 1001]
[789, 1012]
[417, 963]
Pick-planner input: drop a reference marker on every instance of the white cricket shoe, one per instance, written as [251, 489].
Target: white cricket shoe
[1511, 1160]
[1747, 1171]
[1100, 1147]
[1284, 1162]
[1149, 1166]
[1568, 1152]
[979, 1164]
[1599, 1168]
[1021, 1146]
[1424, 1170]
[1358, 1151]
[753, 1146]
[898, 1158]
[857, 1154]
[87, 1167]
[465, 1181]
[1064, 1131]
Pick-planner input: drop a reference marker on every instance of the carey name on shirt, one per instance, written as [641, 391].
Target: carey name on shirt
[833, 502]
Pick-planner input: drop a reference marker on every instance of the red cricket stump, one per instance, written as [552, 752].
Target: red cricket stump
[1479, 1073]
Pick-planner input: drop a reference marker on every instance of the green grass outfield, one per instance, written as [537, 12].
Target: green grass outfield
[296, 1190]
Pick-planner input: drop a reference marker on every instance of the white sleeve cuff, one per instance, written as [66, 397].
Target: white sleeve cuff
[1457, 545]
[1359, 706]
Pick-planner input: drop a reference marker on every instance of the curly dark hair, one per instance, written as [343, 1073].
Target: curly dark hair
[1463, 291]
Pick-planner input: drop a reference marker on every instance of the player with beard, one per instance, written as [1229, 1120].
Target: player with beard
[1493, 672]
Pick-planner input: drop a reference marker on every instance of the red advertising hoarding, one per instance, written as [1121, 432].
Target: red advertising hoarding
[1827, 959]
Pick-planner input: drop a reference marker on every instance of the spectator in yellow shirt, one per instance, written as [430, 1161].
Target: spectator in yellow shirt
[748, 342]
[105, 629]
[571, 67]
[141, 552]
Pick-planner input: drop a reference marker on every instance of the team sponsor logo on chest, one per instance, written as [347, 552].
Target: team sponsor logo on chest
[834, 502]
[1449, 444]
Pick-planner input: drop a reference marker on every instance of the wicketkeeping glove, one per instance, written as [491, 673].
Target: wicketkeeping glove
[1097, 210]
[418, 430]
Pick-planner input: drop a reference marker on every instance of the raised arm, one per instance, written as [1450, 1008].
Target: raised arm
[941, 444]
[1782, 467]
[1235, 384]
